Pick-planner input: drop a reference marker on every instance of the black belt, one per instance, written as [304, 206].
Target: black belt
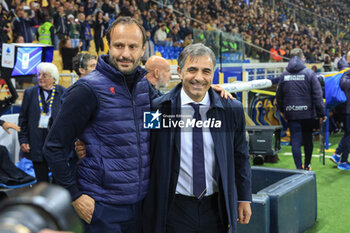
[192, 198]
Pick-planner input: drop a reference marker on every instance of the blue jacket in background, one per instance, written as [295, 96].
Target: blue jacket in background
[345, 86]
[299, 93]
[342, 108]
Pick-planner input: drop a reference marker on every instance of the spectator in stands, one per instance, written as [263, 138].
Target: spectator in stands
[275, 56]
[107, 7]
[19, 39]
[4, 29]
[158, 71]
[84, 63]
[85, 31]
[174, 36]
[89, 8]
[160, 37]
[327, 65]
[37, 12]
[299, 98]
[60, 22]
[100, 26]
[116, 8]
[46, 32]
[73, 30]
[67, 52]
[40, 106]
[9, 125]
[149, 48]
[188, 40]
[23, 24]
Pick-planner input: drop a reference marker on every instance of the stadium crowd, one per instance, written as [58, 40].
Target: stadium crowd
[273, 30]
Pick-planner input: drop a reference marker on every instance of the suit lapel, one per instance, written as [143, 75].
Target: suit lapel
[177, 112]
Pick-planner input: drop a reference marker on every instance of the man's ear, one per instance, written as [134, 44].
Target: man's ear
[143, 50]
[81, 70]
[179, 72]
[156, 73]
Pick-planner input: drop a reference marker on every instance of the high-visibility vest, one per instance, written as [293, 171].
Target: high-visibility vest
[44, 33]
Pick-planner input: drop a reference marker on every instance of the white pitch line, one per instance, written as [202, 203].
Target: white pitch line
[317, 156]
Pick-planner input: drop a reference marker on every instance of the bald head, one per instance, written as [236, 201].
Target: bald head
[158, 71]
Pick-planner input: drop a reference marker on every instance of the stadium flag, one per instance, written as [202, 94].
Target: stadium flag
[333, 93]
[247, 2]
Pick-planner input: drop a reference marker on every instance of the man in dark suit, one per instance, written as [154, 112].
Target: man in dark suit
[40, 105]
[200, 173]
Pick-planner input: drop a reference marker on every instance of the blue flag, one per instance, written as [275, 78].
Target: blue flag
[333, 93]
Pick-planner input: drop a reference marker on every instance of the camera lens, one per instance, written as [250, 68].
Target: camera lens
[33, 209]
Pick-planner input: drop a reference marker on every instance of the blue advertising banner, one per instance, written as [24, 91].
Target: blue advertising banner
[231, 74]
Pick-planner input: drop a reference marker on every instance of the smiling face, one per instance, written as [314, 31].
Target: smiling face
[197, 76]
[126, 47]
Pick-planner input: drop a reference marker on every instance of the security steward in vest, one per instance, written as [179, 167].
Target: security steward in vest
[46, 32]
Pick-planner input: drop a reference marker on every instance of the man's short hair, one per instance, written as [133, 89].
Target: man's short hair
[50, 68]
[195, 50]
[81, 61]
[297, 52]
[126, 21]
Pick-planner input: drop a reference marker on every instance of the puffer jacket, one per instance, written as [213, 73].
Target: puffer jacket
[116, 167]
[299, 93]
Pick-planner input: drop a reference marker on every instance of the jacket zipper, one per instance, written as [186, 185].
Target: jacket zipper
[138, 137]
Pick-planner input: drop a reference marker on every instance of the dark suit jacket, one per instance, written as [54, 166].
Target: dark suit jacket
[232, 161]
[28, 120]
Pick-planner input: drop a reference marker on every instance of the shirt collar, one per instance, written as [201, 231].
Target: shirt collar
[185, 99]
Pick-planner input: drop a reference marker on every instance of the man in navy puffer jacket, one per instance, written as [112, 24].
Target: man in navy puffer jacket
[299, 98]
[105, 110]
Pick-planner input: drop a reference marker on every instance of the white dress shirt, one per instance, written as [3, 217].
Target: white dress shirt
[185, 181]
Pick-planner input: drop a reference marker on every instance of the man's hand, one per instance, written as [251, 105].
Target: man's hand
[25, 147]
[223, 93]
[84, 206]
[244, 212]
[8, 125]
[80, 149]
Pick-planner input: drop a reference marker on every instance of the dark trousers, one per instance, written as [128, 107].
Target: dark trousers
[41, 170]
[301, 134]
[343, 148]
[189, 215]
[115, 219]
[99, 44]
